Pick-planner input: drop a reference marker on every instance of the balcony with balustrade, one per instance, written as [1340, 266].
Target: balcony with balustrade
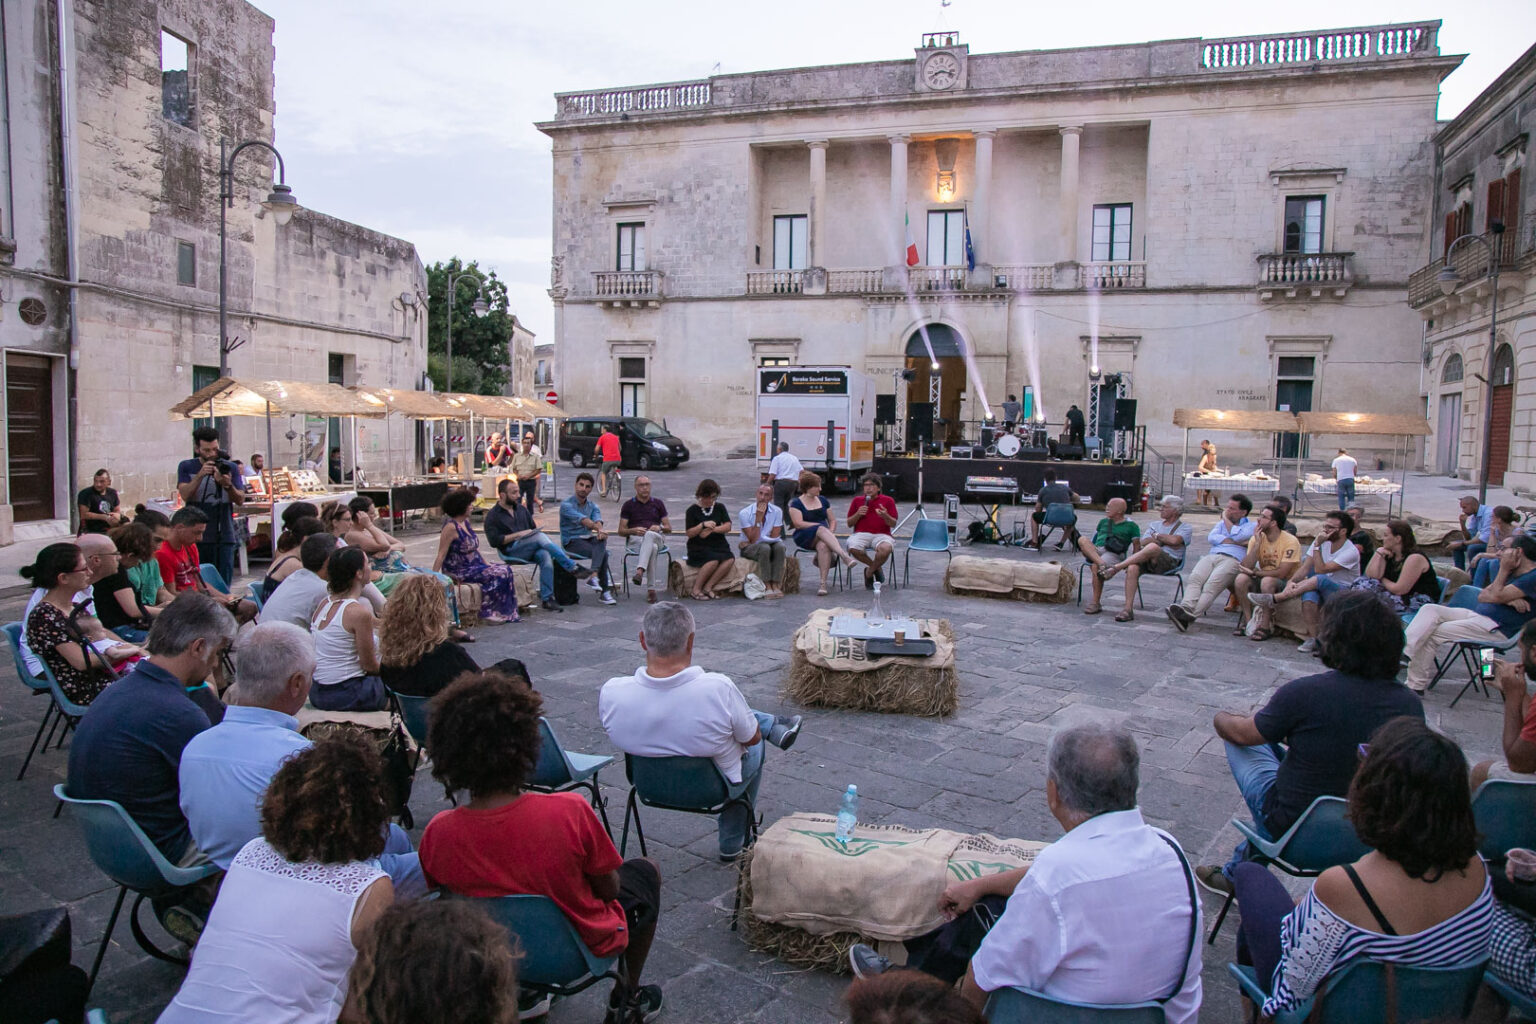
[1305, 275]
[1107, 275]
[627, 288]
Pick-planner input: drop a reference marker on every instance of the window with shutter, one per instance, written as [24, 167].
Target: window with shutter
[1495, 211]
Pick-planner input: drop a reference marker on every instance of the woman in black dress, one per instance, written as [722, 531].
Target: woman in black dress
[708, 524]
[416, 656]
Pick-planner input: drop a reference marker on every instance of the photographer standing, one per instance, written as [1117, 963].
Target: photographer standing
[209, 482]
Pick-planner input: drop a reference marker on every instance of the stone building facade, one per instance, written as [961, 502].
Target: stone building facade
[1219, 223]
[1483, 188]
[110, 288]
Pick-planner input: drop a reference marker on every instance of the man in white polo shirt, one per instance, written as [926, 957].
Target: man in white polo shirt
[671, 707]
[784, 474]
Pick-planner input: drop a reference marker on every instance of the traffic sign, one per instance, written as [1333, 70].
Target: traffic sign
[552, 397]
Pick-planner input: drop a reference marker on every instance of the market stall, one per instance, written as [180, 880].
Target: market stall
[1402, 429]
[1231, 420]
[412, 492]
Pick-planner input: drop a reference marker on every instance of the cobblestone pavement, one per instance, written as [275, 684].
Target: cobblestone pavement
[1025, 670]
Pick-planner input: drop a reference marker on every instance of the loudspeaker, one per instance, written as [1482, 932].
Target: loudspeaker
[919, 421]
[1125, 414]
[1069, 451]
[885, 410]
[988, 436]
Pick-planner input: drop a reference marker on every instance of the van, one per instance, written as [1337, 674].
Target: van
[643, 443]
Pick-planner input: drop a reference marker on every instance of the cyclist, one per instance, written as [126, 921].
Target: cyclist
[607, 456]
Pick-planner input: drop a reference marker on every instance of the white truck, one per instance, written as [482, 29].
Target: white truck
[825, 413]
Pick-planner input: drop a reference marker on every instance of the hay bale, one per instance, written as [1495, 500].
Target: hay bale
[1066, 589]
[680, 577]
[785, 942]
[898, 688]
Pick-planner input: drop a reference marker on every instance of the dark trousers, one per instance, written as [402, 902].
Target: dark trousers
[946, 951]
[597, 552]
[1264, 904]
[529, 490]
[1074, 433]
[783, 494]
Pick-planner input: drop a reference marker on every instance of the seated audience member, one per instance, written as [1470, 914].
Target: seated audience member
[1272, 559]
[1476, 522]
[299, 900]
[300, 519]
[1420, 898]
[180, 563]
[416, 656]
[582, 535]
[1330, 565]
[1285, 505]
[76, 649]
[762, 539]
[1113, 539]
[871, 517]
[1503, 607]
[1160, 553]
[1053, 493]
[225, 770]
[1519, 735]
[1217, 571]
[117, 601]
[99, 506]
[346, 650]
[908, 997]
[672, 707]
[1304, 743]
[484, 738]
[643, 524]
[129, 743]
[707, 524]
[1485, 563]
[1066, 927]
[1398, 573]
[153, 594]
[437, 465]
[813, 524]
[435, 960]
[510, 528]
[302, 591]
[386, 560]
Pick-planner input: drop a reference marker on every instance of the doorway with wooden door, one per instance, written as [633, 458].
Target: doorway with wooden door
[1502, 415]
[29, 436]
[945, 344]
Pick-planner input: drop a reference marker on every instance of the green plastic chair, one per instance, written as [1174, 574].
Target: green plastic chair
[692, 785]
[559, 770]
[1505, 813]
[1358, 993]
[212, 577]
[1025, 1006]
[39, 687]
[555, 961]
[256, 593]
[929, 535]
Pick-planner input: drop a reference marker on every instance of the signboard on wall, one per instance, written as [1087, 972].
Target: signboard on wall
[801, 382]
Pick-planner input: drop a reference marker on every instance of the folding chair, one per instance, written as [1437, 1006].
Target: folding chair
[1318, 840]
[692, 785]
[38, 685]
[211, 576]
[256, 593]
[555, 961]
[1368, 991]
[929, 535]
[1518, 1001]
[1059, 515]
[559, 769]
[1026, 1006]
[1177, 574]
[661, 552]
[1504, 811]
[122, 852]
[1469, 652]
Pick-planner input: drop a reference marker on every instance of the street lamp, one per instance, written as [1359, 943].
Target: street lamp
[481, 307]
[279, 203]
[1448, 279]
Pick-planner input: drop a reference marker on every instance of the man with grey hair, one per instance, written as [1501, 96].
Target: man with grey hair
[1160, 552]
[673, 708]
[225, 770]
[1107, 914]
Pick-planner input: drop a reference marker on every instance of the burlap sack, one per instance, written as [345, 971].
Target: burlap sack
[884, 885]
[525, 584]
[1013, 579]
[467, 596]
[829, 671]
[681, 575]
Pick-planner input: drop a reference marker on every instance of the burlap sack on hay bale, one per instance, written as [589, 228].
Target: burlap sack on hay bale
[681, 575]
[835, 672]
[525, 583]
[805, 898]
[1010, 579]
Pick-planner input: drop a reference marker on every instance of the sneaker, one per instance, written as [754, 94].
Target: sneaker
[644, 1005]
[1213, 879]
[581, 572]
[605, 597]
[866, 963]
[1263, 600]
[532, 1005]
[1308, 645]
[784, 732]
[549, 604]
[869, 580]
[594, 584]
[183, 924]
[1180, 617]
[730, 858]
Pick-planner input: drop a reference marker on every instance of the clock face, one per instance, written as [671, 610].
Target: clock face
[941, 71]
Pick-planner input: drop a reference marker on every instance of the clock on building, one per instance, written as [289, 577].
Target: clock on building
[941, 71]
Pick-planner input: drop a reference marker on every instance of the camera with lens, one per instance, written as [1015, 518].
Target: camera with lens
[222, 462]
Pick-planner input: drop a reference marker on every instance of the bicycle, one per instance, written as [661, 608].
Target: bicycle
[613, 484]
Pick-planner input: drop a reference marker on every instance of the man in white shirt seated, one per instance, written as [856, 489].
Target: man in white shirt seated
[1329, 566]
[671, 707]
[1107, 914]
[784, 474]
[303, 589]
[762, 538]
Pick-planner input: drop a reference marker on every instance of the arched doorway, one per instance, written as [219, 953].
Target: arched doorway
[1503, 413]
[948, 352]
[1448, 419]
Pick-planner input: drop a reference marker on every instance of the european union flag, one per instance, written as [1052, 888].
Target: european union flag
[970, 250]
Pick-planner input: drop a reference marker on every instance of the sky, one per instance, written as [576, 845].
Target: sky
[417, 119]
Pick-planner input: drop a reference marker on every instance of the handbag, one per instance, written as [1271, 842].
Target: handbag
[1116, 545]
[752, 586]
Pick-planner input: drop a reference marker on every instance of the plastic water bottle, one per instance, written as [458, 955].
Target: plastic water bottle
[848, 814]
[876, 614]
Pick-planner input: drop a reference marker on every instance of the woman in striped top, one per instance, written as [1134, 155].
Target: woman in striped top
[1420, 898]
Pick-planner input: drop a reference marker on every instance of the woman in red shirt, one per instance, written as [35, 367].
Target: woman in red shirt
[484, 738]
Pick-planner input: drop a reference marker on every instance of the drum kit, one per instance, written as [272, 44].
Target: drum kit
[1009, 445]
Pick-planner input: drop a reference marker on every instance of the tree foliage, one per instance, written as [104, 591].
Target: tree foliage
[481, 344]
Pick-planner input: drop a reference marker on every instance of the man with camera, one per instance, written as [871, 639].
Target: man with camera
[210, 483]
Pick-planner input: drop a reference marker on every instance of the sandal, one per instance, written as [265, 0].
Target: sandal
[1091, 609]
[822, 592]
[461, 636]
[1261, 634]
[1125, 615]
[650, 597]
[1241, 630]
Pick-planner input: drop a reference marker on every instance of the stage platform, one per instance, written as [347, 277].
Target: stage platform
[1098, 481]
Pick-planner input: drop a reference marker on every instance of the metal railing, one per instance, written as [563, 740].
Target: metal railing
[1470, 263]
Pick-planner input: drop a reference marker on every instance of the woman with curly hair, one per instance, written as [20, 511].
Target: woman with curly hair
[1420, 898]
[299, 900]
[908, 997]
[417, 655]
[484, 738]
[437, 960]
[458, 555]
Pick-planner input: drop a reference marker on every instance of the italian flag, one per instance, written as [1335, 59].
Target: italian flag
[911, 244]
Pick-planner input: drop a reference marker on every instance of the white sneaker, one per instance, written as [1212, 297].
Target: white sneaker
[606, 598]
[1308, 645]
[593, 584]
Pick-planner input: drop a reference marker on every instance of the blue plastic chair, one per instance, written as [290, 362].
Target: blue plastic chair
[555, 961]
[1358, 992]
[661, 552]
[212, 577]
[413, 712]
[1505, 813]
[1521, 1003]
[1025, 1006]
[1318, 840]
[38, 686]
[121, 850]
[256, 592]
[692, 785]
[929, 535]
[1469, 652]
[1177, 574]
[64, 709]
[559, 769]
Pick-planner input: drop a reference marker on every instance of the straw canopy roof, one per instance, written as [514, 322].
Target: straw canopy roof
[1236, 419]
[416, 405]
[1384, 424]
[231, 397]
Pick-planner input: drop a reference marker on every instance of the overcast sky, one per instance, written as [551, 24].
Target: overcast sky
[417, 119]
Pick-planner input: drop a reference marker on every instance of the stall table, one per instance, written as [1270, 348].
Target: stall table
[1231, 484]
[1393, 492]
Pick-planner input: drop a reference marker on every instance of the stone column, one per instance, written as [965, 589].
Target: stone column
[898, 214]
[814, 280]
[1071, 139]
[981, 208]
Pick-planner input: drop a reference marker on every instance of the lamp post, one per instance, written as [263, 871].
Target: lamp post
[481, 307]
[1448, 279]
[279, 202]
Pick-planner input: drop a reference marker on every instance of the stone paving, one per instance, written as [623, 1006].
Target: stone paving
[1025, 670]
